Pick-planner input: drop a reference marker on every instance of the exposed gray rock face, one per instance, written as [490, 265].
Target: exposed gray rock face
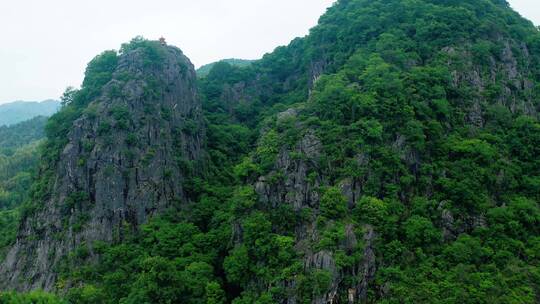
[507, 71]
[453, 224]
[295, 189]
[367, 269]
[316, 70]
[290, 113]
[324, 260]
[299, 187]
[126, 160]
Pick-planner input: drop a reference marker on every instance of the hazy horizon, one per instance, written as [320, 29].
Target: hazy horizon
[48, 50]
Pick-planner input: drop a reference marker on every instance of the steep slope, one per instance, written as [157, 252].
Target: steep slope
[19, 111]
[388, 157]
[124, 159]
[407, 134]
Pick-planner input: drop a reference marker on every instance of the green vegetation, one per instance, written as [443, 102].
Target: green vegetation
[19, 155]
[204, 70]
[167, 262]
[35, 297]
[441, 145]
[24, 133]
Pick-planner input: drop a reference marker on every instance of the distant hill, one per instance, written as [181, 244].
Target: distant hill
[205, 69]
[18, 135]
[19, 156]
[18, 111]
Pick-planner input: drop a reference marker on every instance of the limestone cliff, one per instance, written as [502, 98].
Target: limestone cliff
[126, 159]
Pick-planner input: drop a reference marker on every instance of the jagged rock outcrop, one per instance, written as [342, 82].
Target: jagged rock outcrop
[294, 189]
[300, 180]
[510, 74]
[126, 159]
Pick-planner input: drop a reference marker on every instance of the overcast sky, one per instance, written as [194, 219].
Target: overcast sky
[45, 45]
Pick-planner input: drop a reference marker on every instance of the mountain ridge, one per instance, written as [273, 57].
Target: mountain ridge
[19, 111]
[390, 156]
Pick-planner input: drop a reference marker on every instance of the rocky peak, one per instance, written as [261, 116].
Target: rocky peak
[126, 158]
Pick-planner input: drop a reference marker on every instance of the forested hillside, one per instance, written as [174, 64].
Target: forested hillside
[19, 156]
[390, 156]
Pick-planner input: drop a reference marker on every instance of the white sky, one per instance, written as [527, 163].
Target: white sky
[46, 44]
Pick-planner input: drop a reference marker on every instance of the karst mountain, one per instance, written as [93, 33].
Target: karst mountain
[390, 156]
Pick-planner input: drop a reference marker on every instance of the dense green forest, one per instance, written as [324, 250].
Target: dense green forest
[391, 156]
[19, 155]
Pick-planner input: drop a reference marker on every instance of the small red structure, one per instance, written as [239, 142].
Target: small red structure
[162, 41]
